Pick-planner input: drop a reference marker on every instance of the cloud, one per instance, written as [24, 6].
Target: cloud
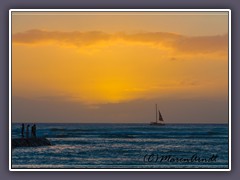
[170, 42]
[69, 38]
[204, 44]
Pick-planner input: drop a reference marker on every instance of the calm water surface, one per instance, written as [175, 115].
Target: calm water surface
[124, 146]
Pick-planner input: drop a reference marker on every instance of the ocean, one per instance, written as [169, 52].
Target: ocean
[131, 146]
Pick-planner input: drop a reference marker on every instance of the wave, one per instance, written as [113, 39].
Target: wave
[130, 131]
[71, 130]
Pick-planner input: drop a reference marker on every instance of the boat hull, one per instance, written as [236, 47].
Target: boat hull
[156, 124]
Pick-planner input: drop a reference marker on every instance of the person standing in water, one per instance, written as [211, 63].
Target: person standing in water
[22, 130]
[34, 131]
[27, 132]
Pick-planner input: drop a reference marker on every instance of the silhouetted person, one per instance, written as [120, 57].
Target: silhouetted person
[34, 131]
[27, 132]
[22, 130]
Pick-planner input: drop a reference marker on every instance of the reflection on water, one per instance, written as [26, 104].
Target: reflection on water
[122, 146]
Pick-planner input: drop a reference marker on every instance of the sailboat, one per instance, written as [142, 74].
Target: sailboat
[159, 118]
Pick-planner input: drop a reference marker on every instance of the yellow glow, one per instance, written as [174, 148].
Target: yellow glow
[110, 90]
[99, 65]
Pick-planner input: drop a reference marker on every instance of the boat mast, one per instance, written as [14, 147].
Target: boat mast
[156, 113]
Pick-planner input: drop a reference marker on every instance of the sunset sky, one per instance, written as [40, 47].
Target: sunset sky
[94, 67]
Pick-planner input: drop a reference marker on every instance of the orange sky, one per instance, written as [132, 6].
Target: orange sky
[94, 59]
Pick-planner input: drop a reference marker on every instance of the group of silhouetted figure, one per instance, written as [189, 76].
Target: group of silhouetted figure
[33, 131]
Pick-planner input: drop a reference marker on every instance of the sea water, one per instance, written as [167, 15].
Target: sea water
[125, 146]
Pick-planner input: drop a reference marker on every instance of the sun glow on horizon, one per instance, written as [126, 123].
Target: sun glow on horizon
[101, 66]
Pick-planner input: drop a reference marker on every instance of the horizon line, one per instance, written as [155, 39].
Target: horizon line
[109, 123]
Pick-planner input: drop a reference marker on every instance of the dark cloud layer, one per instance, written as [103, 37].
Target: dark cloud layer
[171, 41]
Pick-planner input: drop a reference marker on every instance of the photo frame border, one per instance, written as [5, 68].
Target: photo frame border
[119, 10]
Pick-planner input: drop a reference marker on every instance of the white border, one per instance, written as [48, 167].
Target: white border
[118, 10]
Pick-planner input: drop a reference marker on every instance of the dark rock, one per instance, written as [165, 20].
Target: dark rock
[30, 142]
